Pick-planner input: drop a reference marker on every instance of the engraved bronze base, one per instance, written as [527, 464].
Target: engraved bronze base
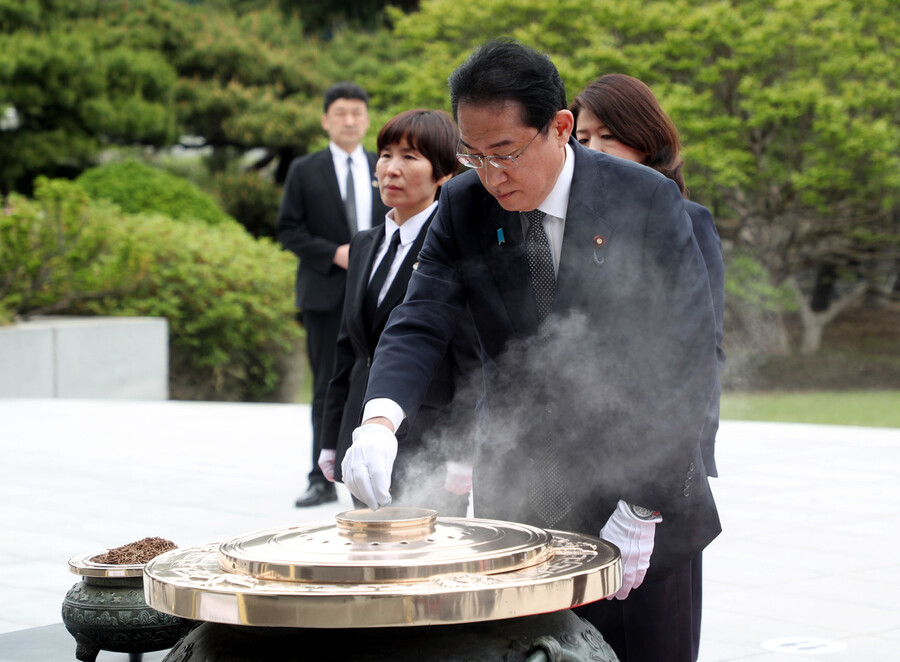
[557, 636]
[110, 614]
[106, 610]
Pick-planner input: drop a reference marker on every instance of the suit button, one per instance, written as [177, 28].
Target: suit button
[368, 361]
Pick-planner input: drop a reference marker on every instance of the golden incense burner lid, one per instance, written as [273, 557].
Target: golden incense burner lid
[393, 567]
[401, 545]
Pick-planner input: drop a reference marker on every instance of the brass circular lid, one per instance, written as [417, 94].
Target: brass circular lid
[308, 576]
[392, 545]
[85, 566]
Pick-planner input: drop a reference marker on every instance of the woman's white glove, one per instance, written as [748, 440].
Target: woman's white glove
[459, 477]
[368, 464]
[634, 538]
[326, 460]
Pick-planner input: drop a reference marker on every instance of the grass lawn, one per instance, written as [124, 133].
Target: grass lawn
[866, 408]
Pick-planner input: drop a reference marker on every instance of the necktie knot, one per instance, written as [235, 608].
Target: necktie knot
[534, 216]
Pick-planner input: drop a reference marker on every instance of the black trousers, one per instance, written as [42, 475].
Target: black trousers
[658, 622]
[321, 338]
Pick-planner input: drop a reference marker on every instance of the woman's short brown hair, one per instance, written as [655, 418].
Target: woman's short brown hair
[628, 108]
[431, 132]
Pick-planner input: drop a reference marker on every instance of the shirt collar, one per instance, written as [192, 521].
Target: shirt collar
[409, 230]
[340, 155]
[557, 202]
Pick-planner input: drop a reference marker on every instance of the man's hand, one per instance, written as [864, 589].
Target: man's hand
[342, 256]
[326, 462]
[368, 463]
[459, 477]
[634, 538]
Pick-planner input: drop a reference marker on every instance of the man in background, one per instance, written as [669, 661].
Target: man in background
[328, 196]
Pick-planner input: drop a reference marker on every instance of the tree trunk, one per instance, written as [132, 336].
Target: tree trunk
[814, 322]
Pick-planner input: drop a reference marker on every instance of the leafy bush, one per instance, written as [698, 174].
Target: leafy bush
[251, 199]
[227, 297]
[59, 250]
[136, 187]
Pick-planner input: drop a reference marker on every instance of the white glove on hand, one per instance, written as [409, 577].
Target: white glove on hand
[368, 463]
[326, 462]
[459, 477]
[634, 538]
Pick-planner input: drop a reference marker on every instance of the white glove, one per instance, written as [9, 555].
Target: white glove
[368, 463]
[459, 477]
[634, 538]
[326, 462]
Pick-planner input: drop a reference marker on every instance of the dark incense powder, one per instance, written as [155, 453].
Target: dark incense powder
[136, 552]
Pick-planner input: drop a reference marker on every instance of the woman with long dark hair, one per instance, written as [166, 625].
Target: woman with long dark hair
[619, 115]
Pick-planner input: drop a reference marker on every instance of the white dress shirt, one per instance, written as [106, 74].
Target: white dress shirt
[362, 181]
[408, 233]
[554, 206]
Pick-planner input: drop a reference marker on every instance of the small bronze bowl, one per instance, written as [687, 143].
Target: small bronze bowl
[106, 611]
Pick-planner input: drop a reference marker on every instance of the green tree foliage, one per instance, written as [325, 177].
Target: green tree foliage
[325, 18]
[789, 110]
[69, 96]
[251, 199]
[81, 76]
[137, 187]
[226, 296]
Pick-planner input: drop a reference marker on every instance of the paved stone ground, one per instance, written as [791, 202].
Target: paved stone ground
[808, 565]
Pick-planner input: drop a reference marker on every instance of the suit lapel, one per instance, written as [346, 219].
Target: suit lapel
[586, 237]
[378, 209]
[369, 248]
[501, 239]
[329, 180]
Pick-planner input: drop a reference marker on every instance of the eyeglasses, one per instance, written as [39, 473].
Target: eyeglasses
[507, 162]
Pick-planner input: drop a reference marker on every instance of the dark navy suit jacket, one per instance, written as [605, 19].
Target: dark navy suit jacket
[622, 384]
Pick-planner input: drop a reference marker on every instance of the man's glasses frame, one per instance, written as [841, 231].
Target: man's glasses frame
[507, 162]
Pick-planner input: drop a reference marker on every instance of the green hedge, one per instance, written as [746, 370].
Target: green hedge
[251, 199]
[137, 187]
[227, 297]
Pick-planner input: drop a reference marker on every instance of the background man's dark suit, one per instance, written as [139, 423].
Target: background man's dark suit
[355, 348]
[624, 380]
[312, 223]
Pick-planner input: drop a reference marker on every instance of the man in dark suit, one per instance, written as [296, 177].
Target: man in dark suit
[598, 343]
[328, 196]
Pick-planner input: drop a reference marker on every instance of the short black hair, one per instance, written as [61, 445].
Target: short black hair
[344, 90]
[507, 70]
[432, 132]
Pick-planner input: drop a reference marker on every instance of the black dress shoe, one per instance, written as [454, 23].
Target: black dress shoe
[316, 494]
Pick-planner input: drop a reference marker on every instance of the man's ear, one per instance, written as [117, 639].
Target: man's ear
[562, 125]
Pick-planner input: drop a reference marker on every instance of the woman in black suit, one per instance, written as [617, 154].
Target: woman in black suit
[416, 155]
[619, 115]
